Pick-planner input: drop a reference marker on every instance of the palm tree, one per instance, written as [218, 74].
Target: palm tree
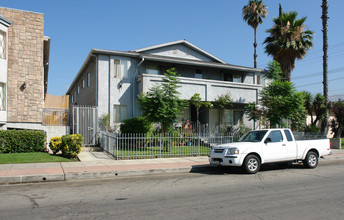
[253, 14]
[289, 40]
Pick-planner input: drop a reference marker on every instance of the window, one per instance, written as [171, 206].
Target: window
[238, 115]
[233, 117]
[228, 77]
[117, 68]
[2, 97]
[288, 135]
[120, 113]
[258, 80]
[83, 83]
[275, 136]
[198, 74]
[75, 95]
[3, 45]
[88, 79]
[72, 98]
[78, 89]
[152, 69]
[237, 78]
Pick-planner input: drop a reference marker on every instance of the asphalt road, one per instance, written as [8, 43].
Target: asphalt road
[273, 193]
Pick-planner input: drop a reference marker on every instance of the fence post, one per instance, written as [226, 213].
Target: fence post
[117, 146]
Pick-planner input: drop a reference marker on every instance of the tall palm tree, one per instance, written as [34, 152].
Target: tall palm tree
[253, 14]
[324, 19]
[289, 40]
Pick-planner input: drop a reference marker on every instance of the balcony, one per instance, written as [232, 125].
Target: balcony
[208, 89]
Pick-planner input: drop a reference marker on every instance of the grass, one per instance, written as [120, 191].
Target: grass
[34, 157]
[144, 152]
[342, 143]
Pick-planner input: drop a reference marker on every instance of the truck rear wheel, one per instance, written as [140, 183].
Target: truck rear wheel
[311, 160]
[251, 164]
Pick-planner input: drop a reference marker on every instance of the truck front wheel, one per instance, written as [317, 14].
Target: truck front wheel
[311, 160]
[251, 164]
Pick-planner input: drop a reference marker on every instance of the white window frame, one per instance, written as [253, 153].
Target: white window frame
[3, 45]
[3, 96]
[117, 68]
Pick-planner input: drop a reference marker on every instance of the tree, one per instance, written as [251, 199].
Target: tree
[253, 14]
[315, 106]
[337, 125]
[198, 103]
[324, 19]
[282, 101]
[162, 103]
[288, 40]
[274, 71]
[254, 113]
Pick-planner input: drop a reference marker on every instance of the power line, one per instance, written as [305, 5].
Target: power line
[320, 82]
[340, 69]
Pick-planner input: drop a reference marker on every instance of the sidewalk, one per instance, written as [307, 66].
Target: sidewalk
[95, 165]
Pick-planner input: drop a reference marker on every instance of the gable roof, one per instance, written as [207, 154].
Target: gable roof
[185, 42]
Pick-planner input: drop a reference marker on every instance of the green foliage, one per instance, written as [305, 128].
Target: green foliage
[315, 106]
[32, 157]
[198, 103]
[312, 129]
[338, 111]
[136, 125]
[254, 12]
[283, 102]
[162, 103]
[55, 144]
[71, 145]
[274, 71]
[253, 112]
[105, 122]
[223, 101]
[288, 40]
[19, 141]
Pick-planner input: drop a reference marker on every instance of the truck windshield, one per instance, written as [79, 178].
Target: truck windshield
[253, 136]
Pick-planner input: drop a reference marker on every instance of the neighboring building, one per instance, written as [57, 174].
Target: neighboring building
[24, 62]
[111, 81]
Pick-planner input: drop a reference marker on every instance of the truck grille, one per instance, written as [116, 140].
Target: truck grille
[218, 150]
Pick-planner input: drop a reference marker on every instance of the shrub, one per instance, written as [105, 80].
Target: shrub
[20, 141]
[55, 144]
[136, 125]
[71, 145]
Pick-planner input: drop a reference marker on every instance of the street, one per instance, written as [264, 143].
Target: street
[273, 193]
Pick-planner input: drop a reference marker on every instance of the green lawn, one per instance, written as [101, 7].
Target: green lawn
[173, 151]
[34, 157]
[342, 141]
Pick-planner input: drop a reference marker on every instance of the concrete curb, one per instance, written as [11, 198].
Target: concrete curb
[32, 178]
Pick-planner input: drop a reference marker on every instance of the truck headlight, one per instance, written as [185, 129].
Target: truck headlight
[231, 151]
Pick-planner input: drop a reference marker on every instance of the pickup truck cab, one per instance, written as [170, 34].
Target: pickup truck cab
[269, 146]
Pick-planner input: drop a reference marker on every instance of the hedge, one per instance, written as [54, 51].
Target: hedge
[22, 141]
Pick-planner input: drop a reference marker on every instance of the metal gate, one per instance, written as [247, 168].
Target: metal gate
[85, 122]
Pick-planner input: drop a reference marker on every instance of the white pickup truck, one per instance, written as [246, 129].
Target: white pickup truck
[269, 146]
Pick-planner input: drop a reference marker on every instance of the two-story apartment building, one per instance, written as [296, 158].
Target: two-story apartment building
[111, 81]
[24, 62]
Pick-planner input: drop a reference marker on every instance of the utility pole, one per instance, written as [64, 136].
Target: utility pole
[324, 19]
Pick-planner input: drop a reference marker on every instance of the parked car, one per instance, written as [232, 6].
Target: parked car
[269, 146]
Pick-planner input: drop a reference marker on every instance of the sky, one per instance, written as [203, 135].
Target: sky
[216, 26]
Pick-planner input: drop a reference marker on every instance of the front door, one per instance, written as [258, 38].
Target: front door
[274, 147]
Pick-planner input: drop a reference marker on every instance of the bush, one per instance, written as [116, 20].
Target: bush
[71, 145]
[136, 125]
[55, 144]
[20, 141]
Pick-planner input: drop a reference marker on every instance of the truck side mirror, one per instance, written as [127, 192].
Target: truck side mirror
[267, 140]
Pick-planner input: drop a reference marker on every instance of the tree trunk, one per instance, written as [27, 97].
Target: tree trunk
[255, 48]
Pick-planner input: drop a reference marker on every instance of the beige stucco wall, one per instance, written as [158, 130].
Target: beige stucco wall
[25, 64]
